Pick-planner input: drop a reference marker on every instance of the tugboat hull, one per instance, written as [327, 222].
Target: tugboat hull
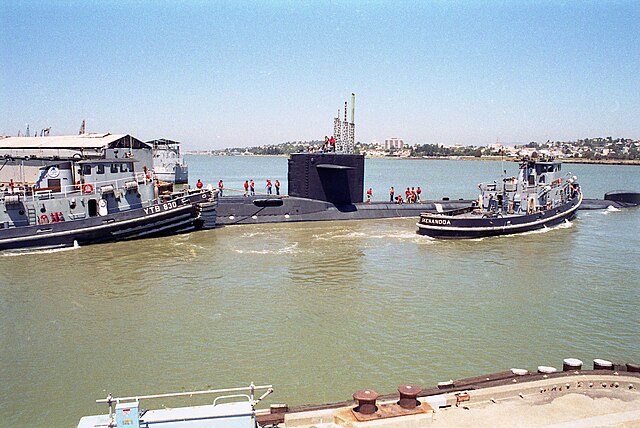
[176, 215]
[445, 226]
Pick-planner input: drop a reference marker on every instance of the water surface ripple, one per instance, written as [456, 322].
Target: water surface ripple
[318, 309]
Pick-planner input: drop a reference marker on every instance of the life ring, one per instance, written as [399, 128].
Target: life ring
[44, 219]
[87, 188]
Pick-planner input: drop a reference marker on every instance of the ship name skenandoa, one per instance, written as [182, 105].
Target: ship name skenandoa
[98, 200]
[541, 196]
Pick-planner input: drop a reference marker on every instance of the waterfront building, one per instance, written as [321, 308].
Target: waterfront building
[394, 143]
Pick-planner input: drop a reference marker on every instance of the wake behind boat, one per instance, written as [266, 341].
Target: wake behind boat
[100, 200]
[539, 197]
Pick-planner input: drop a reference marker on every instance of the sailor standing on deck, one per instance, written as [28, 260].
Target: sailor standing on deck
[252, 188]
[392, 192]
[269, 187]
[369, 195]
[277, 187]
[220, 187]
[246, 187]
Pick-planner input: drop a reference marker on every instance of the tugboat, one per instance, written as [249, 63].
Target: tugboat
[92, 201]
[539, 197]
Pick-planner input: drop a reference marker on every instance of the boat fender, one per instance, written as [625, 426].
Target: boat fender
[87, 188]
[44, 219]
[54, 218]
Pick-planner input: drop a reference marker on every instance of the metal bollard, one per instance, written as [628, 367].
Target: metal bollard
[635, 368]
[599, 364]
[366, 399]
[409, 396]
[571, 364]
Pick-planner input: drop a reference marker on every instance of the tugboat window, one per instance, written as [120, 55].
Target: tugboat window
[100, 169]
[125, 167]
[86, 169]
[114, 168]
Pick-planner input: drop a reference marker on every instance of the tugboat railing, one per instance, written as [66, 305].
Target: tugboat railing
[251, 388]
[94, 186]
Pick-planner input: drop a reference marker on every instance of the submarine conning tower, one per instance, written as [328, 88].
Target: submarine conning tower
[332, 177]
[336, 176]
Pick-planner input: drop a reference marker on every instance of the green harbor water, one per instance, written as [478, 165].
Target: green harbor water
[319, 310]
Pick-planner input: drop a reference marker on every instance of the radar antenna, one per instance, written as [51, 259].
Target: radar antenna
[344, 131]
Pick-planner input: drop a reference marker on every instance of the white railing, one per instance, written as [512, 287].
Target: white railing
[88, 188]
[251, 389]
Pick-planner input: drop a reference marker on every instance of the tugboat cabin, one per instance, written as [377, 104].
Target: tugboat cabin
[540, 172]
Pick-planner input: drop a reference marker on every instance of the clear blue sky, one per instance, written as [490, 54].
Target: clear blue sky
[216, 74]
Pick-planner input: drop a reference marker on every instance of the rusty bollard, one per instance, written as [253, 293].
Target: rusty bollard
[366, 399]
[408, 396]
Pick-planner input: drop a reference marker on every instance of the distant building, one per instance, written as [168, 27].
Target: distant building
[394, 143]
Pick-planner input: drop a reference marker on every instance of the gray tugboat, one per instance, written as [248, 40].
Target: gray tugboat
[541, 196]
[91, 201]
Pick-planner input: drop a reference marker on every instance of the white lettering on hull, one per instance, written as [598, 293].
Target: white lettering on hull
[155, 209]
[436, 221]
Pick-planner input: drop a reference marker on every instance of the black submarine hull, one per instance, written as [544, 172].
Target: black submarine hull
[284, 209]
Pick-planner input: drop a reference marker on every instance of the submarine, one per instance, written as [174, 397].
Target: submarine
[329, 186]
[322, 187]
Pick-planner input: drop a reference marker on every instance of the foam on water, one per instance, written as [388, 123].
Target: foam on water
[610, 209]
[289, 249]
[30, 252]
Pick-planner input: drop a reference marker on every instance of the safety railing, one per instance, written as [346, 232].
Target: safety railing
[251, 389]
[87, 188]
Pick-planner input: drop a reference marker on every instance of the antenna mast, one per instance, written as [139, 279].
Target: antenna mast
[344, 131]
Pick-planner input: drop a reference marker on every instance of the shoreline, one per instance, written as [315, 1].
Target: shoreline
[463, 158]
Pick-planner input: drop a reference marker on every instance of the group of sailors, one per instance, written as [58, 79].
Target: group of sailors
[329, 144]
[411, 196]
[249, 187]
